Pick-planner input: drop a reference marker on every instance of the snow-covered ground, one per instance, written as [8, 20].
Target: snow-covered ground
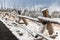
[56, 28]
[18, 29]
[23, 32]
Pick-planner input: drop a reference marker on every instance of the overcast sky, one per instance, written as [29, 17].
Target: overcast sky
[28, 3]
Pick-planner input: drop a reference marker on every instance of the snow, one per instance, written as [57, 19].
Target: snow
[34, 19]
[44, 9]
[57, 20]
[26, 36]
[56, 28]
[33, 28]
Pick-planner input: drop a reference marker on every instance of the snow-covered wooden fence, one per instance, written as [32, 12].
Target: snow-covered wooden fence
[45, 19]
[52, 20]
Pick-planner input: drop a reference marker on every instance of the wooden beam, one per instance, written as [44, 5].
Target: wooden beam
[30, 18]
[52, 20]
[41, 18]
[44, 36]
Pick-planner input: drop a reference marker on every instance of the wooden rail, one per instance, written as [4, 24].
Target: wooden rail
[41, 18]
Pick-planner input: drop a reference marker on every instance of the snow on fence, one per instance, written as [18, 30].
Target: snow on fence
[52, 20]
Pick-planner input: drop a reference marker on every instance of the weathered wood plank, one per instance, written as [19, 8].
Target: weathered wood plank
[30, 18]
[52, 20]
